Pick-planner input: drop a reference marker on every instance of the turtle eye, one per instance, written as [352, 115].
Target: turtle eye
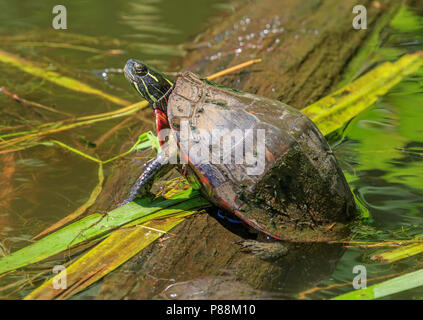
[140, 70]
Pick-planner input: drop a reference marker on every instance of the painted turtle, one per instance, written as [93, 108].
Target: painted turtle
[257, 158]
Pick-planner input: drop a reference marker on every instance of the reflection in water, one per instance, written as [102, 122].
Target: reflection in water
[388, 198]
[214, 288]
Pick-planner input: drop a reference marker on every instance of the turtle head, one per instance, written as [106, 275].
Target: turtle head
[151, 84]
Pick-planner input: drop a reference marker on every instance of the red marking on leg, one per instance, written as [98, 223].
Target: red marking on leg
[205, 180]
[161, 123]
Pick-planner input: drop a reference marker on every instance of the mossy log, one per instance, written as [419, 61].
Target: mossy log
[306, 46]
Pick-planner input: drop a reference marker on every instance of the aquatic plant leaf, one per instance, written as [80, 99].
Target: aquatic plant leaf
[333, 111]
[370, 51]
[399, 253]
[112, 252]
[58, 45]
[25, 138]
[148, 140]
[399, 284]
[97, 225]
[57, 78]
[407, 21]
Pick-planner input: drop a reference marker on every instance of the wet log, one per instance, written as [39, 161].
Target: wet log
[306, 46]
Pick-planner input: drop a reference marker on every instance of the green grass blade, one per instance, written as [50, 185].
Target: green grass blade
[335, 110]
[399, 253]
[112, 252]
[145, 141]
[57, 78]
[399, 284]
[96, 225]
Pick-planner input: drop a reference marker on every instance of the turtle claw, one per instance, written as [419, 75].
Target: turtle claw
[267, 251]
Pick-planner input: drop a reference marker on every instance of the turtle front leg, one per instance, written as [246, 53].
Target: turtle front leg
[152, 168]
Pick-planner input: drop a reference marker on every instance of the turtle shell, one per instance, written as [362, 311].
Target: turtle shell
[261, 159]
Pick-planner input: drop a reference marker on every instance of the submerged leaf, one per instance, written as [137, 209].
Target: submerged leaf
[57, 78]
[148, 140]
[97, 225]
[119, 247]
[399, 284]
[333, 111]
[399, 253]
